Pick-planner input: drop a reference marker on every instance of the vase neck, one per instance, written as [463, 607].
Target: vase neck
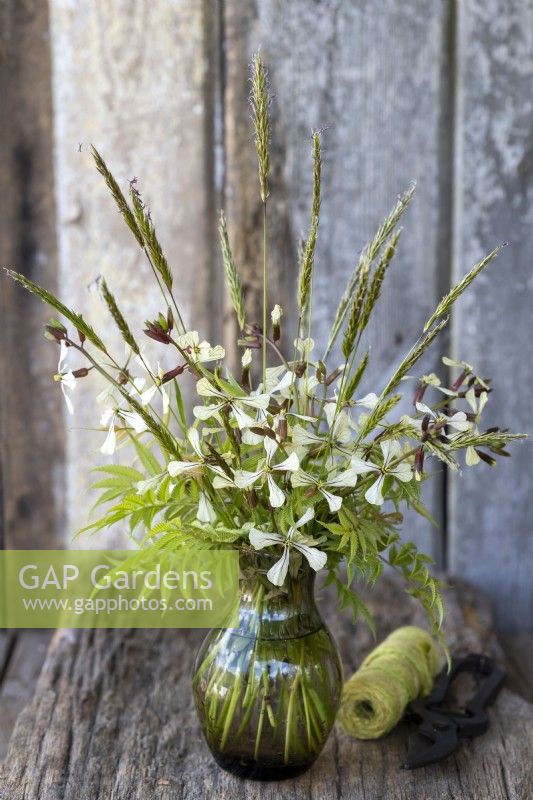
[277, 612]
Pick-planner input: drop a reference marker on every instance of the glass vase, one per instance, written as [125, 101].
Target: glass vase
[267, 691]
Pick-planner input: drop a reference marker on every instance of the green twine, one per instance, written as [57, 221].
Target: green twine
[396, 672]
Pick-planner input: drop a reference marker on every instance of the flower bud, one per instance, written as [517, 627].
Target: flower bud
[419, 394]
[170, 319]
[251, 498]
[486, 458]
[282, 429]
[276, 315]
[156, 331]
[419, 463]
[332, 376]
[246, 361]
[55, 330]
[173, 373]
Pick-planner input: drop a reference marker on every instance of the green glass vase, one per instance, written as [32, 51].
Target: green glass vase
[267, 691]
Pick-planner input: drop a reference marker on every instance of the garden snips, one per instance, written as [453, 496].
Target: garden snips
[441, 728]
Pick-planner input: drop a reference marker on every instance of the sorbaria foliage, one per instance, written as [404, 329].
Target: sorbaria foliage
[294, 460]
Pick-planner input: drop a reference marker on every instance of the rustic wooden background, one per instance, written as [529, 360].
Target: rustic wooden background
[432, 90]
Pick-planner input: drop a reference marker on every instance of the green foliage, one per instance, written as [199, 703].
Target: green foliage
[120, 322]
[414, 355]
[353, 382]
[117, 195]
[348, 598]
[374, 290]
[305, 278]
[369, 254]
[378, 414]
[447, 302]
[232, 276]
[260, 102]
[149, 238]
[413, 566]
[354, 327]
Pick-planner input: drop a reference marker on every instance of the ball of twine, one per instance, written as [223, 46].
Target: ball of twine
[396, 672]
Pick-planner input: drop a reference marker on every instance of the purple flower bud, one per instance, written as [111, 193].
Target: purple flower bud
[173, 373]
[55, 330]
[282, 429]
[332, 376]
[251, 498]
[155, 331]
[486, 458]
[460, 380]
[419, 461]
[419, 394]
[170, 319]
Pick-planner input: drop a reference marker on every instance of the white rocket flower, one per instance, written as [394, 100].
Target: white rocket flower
[206, 389]
[244, 479]
[458, 420]
[293, 539]
[109, 418]
[66, 379]
[341, 480]
[206, 512]
[199, 351]
[402, 471]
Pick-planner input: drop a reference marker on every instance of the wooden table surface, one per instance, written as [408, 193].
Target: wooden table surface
[113, 719]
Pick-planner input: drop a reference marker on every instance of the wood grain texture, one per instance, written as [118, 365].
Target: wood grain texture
[31, 428]
[384, 103]
[113, 718]
[490, 523]
[135, 79]
[20, 679]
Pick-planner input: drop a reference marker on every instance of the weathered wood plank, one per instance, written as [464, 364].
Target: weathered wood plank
[20, 679]
[31, 430]
[490, 525]
[384, 102]
[113, 717]
[135, 79]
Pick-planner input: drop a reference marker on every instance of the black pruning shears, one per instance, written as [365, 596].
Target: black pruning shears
[440, 728]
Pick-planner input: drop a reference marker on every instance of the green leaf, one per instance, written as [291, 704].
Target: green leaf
[147, 458]
[121, 470]
[181, 408]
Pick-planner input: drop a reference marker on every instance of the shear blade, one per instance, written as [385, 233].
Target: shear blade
[424, 750]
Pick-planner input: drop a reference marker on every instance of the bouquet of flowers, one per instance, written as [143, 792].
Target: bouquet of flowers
[287, 455]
